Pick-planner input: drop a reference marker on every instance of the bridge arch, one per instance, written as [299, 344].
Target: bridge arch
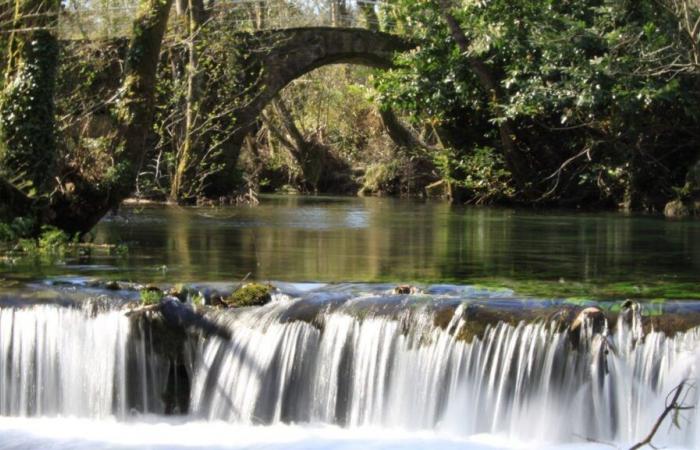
[281, 56]
[287, 54]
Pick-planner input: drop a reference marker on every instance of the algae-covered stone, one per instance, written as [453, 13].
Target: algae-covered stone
[150, 295]
[252, 294]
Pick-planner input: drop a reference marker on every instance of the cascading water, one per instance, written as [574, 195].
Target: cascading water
[527, 381]
[69, 361]
[54, 361]
[338, 361]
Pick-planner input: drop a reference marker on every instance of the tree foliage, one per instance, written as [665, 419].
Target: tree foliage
[604, 94]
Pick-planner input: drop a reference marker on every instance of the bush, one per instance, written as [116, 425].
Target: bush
[19, 228]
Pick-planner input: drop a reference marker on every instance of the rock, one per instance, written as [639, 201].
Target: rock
[676, 208]
[592, 318]
[179, 315]
[405, 289]
[251, 294]
[112, 286]
[562, 319]
[212, 297]
[288, 189]
[629, 311]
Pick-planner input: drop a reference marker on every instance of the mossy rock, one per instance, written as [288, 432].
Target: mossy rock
[252, 294]
[150, 295]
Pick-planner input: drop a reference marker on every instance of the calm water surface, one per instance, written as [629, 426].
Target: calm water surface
[335, 239]
[371, 239]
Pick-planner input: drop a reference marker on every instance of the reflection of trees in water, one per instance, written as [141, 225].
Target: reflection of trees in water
[477, 243]
[373, 239]
[499, 243]
[397, 242]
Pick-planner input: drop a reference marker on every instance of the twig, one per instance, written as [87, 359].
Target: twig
[672, 406]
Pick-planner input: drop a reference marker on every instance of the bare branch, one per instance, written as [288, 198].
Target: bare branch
[671, 406]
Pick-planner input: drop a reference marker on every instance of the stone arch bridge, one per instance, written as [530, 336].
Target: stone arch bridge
[277, 57]
[286, 54]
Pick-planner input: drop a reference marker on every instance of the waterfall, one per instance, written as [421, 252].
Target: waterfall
[70, 361]
[526, 381]
[392, 365]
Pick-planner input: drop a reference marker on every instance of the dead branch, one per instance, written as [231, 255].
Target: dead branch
[672, 406]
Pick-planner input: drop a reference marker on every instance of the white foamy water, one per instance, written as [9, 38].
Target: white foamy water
[73, 362]
[79, 434]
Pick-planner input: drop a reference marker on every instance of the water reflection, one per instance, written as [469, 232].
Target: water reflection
[371, 239]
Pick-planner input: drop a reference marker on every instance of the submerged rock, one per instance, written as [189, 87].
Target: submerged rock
[112, 286]
[405, 289]
[251, 294]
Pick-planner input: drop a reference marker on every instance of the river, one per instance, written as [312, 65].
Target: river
[338, 359]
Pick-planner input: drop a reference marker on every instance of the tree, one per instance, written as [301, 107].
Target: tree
[67, 200]
[514, 158]
[194, 13]
[600, 94]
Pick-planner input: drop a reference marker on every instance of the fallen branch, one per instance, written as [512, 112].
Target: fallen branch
[672, 406]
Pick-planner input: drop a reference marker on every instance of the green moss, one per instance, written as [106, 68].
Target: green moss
[252, 294]
[150, 295]
[578, 292]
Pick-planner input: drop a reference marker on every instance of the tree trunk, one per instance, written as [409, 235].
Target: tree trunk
[398, 132]
[186, 155]
[14, 202]
[515, 159]
[77, 205]
[136, 106]
[80, 207]
[27, 141]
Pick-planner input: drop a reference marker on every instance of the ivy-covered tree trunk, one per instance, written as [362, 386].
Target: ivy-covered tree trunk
[27, 140]
[136, 107]
[72, 204]
[80, 205]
